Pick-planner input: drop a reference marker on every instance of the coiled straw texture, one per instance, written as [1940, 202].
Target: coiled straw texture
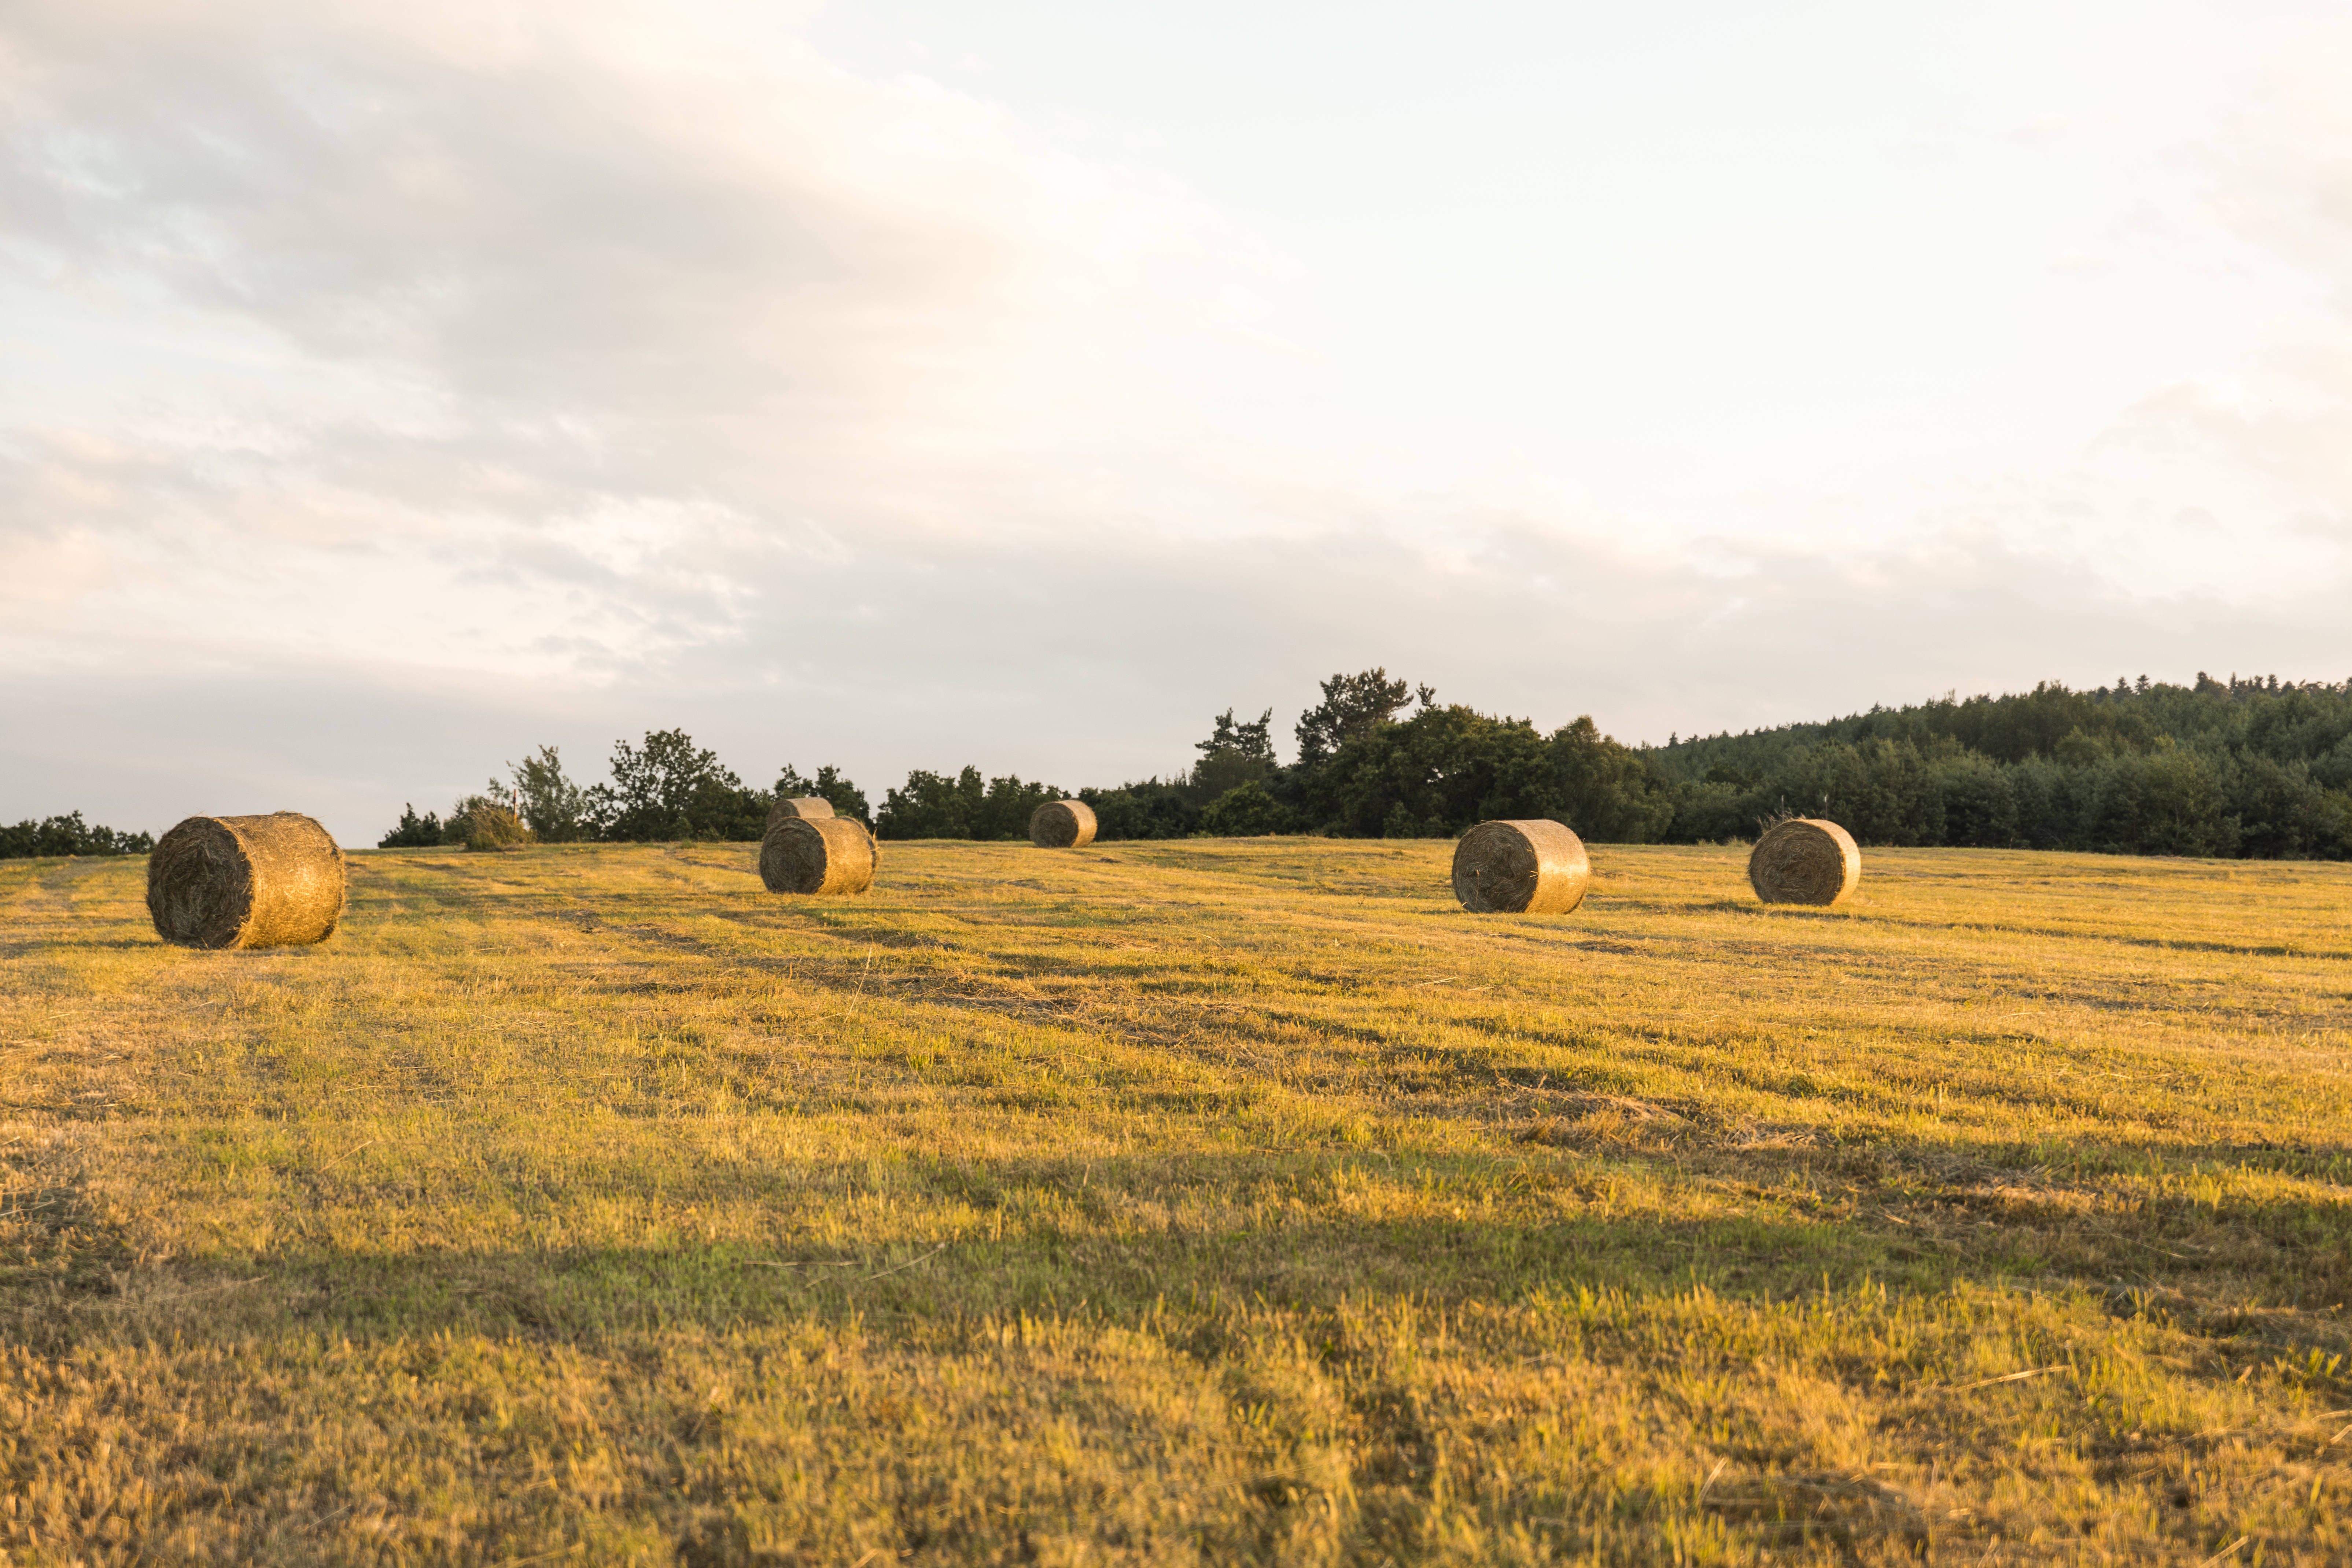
[799, 805]
[247, 881]
[1062, 825]
[1535, 867]
[1804, 860]
[817, 854]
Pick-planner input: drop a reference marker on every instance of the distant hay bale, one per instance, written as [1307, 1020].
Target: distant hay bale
[818, 854]
[246, 881]
[491, 827]
[1535, 867]
[798, 805]
[1804, 860]
[1062, 825]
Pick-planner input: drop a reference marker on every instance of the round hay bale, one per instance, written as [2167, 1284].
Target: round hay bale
[818, 854]
[1535, 867]
[246, 881]
[799, 805]
[1062, 825]
[1804, 860]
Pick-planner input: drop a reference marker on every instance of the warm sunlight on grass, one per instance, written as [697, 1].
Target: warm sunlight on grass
[1201, 1202]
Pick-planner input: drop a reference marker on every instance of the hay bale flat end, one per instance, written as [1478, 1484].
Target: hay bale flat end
[1533, 867]
[818, 856]
[1062, 825]
[1804, 860]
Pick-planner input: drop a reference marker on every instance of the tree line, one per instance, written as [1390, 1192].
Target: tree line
[2240, 767]
[2248, 768]
[666, 788]
[1366, 768]
[69, 835]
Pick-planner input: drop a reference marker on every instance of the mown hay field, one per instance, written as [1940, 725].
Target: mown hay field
[1206, 1201]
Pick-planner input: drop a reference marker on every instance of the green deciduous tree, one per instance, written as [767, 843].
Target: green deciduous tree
[556, 809]
[1432, 775]
[669, 788]
[1353, 705]
[1233, 754]
[1607, 793]
[933, 805]
[1979, 802]
[1146, 809]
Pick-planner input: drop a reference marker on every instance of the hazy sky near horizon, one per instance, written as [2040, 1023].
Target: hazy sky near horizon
[385, 389]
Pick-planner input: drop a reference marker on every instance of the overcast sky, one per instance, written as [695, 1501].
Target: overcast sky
[388, 388]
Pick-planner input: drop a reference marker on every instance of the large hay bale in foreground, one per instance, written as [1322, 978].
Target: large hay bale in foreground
[818, 854]
[1062, 825]
[1535, 867]
[1804, 860]
[246, 881]
[798, 805]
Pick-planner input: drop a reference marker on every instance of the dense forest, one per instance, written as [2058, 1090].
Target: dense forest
[2250, 768]
[2236, 767]
[2239, 767]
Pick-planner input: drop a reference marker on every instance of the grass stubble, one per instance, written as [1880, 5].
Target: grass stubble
[1208, 1202]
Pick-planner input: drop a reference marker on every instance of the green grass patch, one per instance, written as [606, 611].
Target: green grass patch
[1205, 1202]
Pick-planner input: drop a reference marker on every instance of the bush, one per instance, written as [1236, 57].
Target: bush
[413, 832]
[491, 827]
[1246, 811]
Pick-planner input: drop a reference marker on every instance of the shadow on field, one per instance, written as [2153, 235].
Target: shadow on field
[2147, 1233]
[1280, 1333]
[2012, 927]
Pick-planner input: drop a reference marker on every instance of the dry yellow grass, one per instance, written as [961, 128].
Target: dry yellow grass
[1209, 1202]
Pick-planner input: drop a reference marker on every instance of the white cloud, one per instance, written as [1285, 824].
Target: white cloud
[599, 304]
[552, 371]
